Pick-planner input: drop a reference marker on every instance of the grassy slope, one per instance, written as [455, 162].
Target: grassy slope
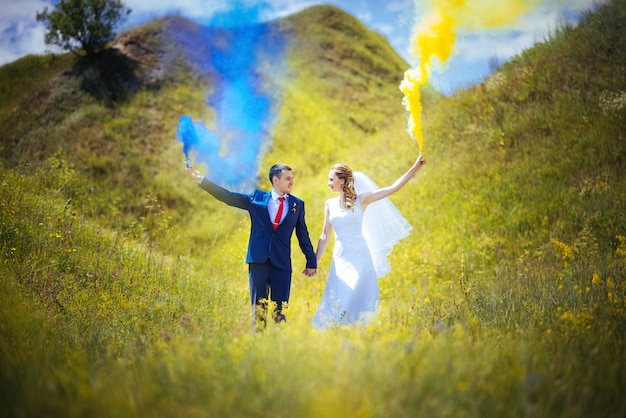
[508, 299]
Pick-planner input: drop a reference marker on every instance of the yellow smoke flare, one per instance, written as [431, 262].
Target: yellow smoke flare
[410, 86]
[435, 37]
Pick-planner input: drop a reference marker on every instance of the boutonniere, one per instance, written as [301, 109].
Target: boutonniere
[294, 207]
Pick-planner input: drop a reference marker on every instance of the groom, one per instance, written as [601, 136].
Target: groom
[274, 215]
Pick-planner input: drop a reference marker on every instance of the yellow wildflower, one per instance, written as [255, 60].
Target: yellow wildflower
[564, 250]
[596, 280]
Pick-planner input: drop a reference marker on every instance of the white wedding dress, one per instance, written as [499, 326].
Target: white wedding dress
[362, 243]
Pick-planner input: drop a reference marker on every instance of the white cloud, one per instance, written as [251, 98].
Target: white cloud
[476, 50]
[193, 9]
[385, 28]
[20, 33]
[529, 29]
[398, 6]
[284, 8]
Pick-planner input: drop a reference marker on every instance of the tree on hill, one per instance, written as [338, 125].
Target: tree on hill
[85, 25]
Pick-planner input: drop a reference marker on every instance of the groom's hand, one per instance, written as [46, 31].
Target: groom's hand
[194, 174]
[309, 272]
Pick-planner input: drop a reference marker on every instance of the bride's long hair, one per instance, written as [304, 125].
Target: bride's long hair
[349, 194]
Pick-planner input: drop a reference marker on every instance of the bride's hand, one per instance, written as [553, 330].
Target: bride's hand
[420, 161]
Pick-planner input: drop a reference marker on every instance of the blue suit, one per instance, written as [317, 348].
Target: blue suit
[269, 250]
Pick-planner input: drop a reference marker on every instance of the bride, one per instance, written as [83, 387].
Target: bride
[367, 226]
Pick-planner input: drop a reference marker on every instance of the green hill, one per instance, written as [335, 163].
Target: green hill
[124, 288]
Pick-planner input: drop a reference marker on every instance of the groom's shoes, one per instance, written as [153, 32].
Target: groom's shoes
[261, 314]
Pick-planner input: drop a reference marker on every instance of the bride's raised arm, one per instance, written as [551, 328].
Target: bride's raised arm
[373, 196]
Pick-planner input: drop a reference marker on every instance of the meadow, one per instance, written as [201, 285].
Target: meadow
[124, 287]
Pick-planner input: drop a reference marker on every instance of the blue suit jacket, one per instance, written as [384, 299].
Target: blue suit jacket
[265, 242]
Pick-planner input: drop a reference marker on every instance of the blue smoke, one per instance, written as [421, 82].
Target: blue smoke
[230, 51]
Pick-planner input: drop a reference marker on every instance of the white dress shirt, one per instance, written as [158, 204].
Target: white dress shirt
[272, 205]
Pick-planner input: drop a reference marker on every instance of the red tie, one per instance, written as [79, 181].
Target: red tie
[279, 214]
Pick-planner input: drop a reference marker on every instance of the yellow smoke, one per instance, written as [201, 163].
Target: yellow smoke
[435, 37]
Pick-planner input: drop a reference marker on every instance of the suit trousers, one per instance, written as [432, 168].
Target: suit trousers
[267, 280]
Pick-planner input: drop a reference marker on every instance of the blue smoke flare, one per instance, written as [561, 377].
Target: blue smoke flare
[231, 50]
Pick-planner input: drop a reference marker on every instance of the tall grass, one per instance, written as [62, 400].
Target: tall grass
[508, 298]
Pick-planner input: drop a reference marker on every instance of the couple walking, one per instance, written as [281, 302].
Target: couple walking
[366, 225]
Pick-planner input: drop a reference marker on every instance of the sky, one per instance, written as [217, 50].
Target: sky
[475, 51]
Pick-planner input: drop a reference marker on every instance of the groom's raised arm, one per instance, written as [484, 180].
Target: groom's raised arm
[237, 200]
